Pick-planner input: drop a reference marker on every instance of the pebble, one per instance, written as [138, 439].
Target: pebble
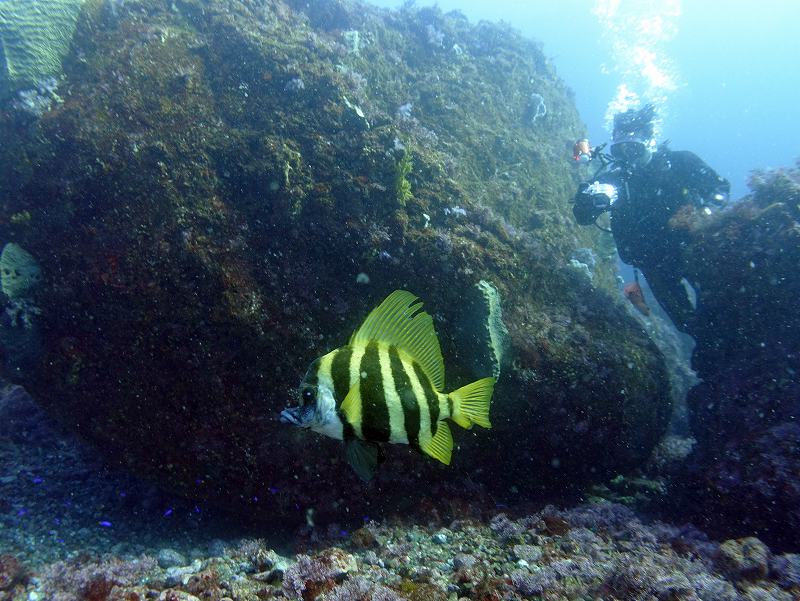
[279, 567]
[463, 561]
[529, 553]
[440, 538]
[371, 559]
[743, 558]
[275, 572]
[176, 595]
[180, 575]
[169, 558]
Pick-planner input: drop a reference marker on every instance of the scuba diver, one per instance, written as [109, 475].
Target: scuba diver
[642, 186]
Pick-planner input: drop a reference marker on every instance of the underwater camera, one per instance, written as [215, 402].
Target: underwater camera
[592, 200]
[600, 196]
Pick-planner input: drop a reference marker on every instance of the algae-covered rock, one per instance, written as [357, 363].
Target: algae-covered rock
[229, 188]
[744, 413]
[35, 35]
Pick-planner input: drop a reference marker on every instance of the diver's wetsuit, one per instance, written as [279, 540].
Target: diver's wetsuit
[648, 198]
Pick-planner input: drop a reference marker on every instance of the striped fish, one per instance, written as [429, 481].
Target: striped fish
[386, 385]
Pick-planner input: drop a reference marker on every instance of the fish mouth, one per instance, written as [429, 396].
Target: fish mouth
[293, 416]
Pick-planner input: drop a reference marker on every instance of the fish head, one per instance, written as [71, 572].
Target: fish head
[316, 408]
[301, 415]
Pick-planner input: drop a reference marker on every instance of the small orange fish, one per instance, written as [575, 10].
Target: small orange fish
[633, 292]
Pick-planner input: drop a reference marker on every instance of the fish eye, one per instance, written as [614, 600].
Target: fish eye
[308, 395]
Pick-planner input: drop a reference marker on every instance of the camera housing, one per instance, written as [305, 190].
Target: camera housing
[592, 200]
[601, 195]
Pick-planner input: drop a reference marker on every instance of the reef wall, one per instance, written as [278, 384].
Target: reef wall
[223, 191]
[745, 474]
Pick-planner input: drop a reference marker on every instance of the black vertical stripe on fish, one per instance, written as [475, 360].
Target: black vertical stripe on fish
[347, 430]
[375, 425]
[405, 391]
[430, 396]
[340, 373]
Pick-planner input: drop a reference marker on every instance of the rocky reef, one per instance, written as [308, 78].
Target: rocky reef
[226, 188]
[745, 411]
[589, 552]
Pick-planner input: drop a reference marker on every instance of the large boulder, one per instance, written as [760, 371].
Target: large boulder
[229, 187]
[745, 412]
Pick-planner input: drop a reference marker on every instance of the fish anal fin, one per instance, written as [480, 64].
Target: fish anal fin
[440, 447]
[400, 321]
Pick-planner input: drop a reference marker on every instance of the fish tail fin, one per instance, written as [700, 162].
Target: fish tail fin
[471, 403]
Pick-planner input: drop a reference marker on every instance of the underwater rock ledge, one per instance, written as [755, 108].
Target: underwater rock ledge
[745, 475]
[219, 184]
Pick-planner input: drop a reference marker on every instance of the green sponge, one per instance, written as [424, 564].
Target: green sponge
[35, 35]
[482, 335]
[19, 271]
[498, 334]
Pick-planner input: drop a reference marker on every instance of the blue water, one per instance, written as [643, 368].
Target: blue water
[732, 65]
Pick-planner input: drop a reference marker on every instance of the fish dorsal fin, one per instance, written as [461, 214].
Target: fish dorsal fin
[400, 321]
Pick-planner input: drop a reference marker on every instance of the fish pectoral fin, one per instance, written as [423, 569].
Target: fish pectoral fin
[363, 457]
[440, 447]
[351, 405]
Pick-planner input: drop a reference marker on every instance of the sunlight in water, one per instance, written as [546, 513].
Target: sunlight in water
[638, 33]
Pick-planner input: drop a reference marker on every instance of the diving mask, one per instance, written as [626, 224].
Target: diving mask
[633, 151]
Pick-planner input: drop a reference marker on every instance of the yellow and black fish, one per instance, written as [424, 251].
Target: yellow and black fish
[386, 386]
